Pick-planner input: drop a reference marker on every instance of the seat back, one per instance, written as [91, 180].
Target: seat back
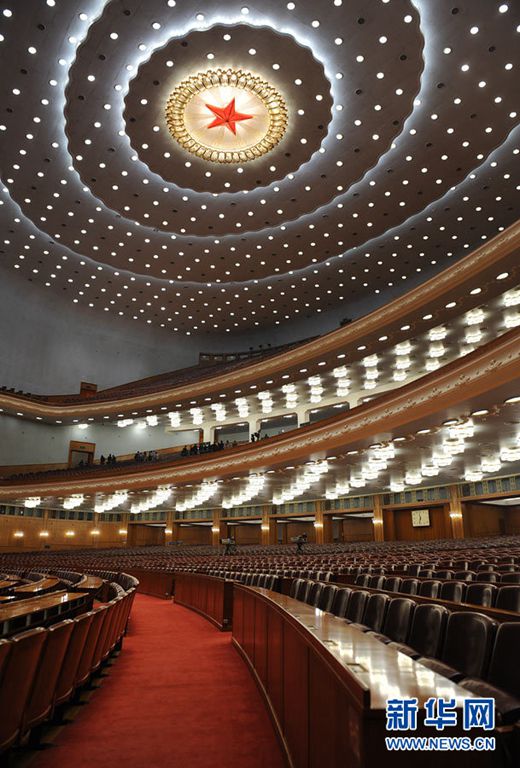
[362, 580]
[392, 583]
[430, 588]
[341, 601]
[396, 625]
[453, 590]
[465, 575]
[356, 606]
[18, 677]
[327, 596]
[41, 699]
[508, 598]
[427, 630]
[409, 586]
[295, 587]
[5, 649]
[375, 611]
[481, 594]
[314, 593]
[376, 582]
[85, 663]
[67, 674]
[510, 578]
[442, 575]
[468, 642]
[502, 673]
[490, 577]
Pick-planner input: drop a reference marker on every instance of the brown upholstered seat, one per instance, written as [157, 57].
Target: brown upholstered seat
[17, 679]
[41, 698]
[66, 682]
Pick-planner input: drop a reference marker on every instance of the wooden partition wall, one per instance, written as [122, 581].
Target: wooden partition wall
[208, 595]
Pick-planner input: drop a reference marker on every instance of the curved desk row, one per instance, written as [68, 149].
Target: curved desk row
[41, 611]
[326, 685]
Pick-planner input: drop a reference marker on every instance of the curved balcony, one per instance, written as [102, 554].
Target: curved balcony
[479, 382]
[479, 277]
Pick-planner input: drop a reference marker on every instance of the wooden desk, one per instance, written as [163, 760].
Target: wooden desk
[89, 583]
[42, 610]
[326, 685]
[41, 586]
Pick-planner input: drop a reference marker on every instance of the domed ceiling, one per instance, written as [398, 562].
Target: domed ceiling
[210, 167]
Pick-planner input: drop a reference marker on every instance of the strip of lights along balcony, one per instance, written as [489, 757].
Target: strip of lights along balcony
[226, 116]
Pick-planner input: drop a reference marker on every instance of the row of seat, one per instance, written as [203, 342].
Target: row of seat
[41, 669]
[506, 597]
[468, 647]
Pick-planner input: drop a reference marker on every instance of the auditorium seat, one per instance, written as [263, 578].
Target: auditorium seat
[41, 698]
[392, 583]
[503, 678]
[374, 613]
[465, 575]
[295, 587]
[510, 578]
[508, 598]
[453, 590]
[356, 606]
[443, 574]
[426, 632]
[314, 593]
[490, 577]
[5, 648]
[66, 679]
[481, 594]
[467, 646]
[397, 621]
[362, 580]
[429, 588]
[100, 650]
[409, 586]
[327, 597]
[341, 601]
[85, 664]
[376, 582]
[17, 679]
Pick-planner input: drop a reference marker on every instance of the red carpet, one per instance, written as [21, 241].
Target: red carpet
[178, 695]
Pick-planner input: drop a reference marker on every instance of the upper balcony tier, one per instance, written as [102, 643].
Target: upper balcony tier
[482, 278]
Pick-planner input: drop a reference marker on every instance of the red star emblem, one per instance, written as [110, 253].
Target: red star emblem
[227, 116]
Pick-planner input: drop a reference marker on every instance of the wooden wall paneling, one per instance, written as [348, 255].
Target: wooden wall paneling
[275, 666]
[439, 527]
[31, 527]
[238, 616]
[246, 533]
[195, 534]
[143, 535]
[483, 519]
[295, 694]
[512, 520]
[260, 641]
[334, 721]
[249, 627]
[357, 528]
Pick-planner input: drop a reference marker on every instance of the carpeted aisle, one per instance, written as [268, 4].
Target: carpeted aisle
[178, 695]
